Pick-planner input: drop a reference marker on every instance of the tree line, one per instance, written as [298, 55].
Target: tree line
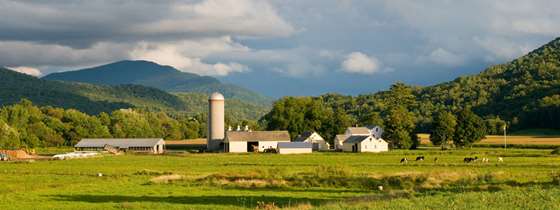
[397, 111]
[24, 125]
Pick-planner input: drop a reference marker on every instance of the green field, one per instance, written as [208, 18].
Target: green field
[527, 179]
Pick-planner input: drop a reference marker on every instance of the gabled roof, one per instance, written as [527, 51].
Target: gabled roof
[340, 137]
[358, 130]
[304, 136]
[294, 145]
[120, 143]
[257, 136]
[355, 139]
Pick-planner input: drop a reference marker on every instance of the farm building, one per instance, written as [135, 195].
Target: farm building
[155, 146]
[318, 143]
[365, 144]
[350, 131]
[253, 141]
[294, 147]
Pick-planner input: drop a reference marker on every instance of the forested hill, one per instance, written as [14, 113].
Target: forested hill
[525, 93]
[85, 97]
[151, 74]
[93, 99]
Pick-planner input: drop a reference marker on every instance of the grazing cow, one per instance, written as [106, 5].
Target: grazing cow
[435, 159]
[500, 159]
[470, 159]
[420, 158]
[485, 160]
[404, 160]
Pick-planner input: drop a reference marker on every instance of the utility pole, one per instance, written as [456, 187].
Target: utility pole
[505, 139]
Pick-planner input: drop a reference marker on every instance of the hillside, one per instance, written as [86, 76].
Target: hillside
[85, 97]
[150, 74]
[94, 99]
[524, 92]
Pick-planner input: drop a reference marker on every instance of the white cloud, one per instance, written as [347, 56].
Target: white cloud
[187, 55]
[442, 57]
[360, 63]
[27, 70]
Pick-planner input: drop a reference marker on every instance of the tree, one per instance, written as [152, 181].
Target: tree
[9, 137]
[443, 128]
[470, 128]
[399, 127]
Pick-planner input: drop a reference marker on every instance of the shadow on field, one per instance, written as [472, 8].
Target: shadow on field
[240, 201]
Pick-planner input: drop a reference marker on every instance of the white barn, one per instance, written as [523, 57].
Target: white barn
[294, 147]
[253, 141]
[154, 146]
[362, 143]
[317, 141]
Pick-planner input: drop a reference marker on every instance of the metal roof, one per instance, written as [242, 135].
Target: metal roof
[295, 145]
[257, 136]
[356, 139]
[359, 131]
[120, 143]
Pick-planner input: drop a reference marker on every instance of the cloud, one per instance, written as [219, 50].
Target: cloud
[26, 70]
[441, 56]
[187, 55]
[360, 63]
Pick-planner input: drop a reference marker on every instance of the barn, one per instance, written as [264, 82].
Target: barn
[294, 147]
[254, 141]
[365, 144]
[350, 131]
[154, 146]
[317, 141]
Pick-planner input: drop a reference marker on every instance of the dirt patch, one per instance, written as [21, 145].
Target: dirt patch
[166, 179]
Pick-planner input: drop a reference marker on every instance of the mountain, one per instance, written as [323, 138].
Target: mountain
[85, 97]
[151, 74]
[93, 99]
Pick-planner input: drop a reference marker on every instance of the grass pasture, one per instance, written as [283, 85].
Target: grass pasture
[528, 179]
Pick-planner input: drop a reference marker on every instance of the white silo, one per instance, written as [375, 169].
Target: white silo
[216, 122]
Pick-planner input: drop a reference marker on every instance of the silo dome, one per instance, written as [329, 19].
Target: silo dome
[216, 96]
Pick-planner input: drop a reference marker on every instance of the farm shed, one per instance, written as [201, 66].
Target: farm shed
[155, 146]
[365, 144]
[253, 141]
[317, 141]
[294, 147]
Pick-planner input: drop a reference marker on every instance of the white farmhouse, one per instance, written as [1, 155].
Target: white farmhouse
[361, 143]
[318, 143]
[350, 131]
[253, 141]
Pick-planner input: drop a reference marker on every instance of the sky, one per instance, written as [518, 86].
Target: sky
[279, 47]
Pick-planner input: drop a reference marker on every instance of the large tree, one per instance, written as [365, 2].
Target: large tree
[399, 127]
[443, 128]
[470, 128]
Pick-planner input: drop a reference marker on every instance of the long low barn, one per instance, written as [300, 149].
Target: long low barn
[254, 141]
[295, 147]
[155, 146]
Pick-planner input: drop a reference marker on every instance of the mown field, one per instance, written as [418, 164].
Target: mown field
[527, 179]
[552, 140]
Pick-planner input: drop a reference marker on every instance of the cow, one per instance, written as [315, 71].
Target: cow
[420, 158]
[500, 159]
[485, 160]
[470, 159]
[404, 160]
[435, 160]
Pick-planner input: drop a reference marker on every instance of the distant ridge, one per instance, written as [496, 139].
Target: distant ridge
[151, 74]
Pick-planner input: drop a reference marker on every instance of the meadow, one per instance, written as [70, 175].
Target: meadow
[527, 179]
